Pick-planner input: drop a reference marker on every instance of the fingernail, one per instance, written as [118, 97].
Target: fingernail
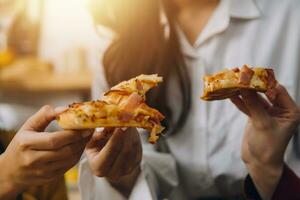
[124, 129]
[99, 130]
[60, 109]
[86, 134]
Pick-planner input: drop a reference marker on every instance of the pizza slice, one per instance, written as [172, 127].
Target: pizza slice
[122, 106]
[228, 83]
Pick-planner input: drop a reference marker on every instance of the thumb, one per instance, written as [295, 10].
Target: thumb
[40, 120]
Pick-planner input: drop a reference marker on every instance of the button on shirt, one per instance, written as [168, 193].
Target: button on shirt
[204, 157]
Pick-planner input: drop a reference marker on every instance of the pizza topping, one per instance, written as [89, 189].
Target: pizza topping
[227, 83]
[141, 117]
[154, 133]
[236, 69]
[146, 81]
[246, 75]
[271, 78]
[128, 107]
[132, 102]
[118, 92]
[123, 106]
[139, 85]
[125, 116]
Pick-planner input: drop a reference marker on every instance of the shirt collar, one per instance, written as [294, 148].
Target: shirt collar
[227, 9]
[244, 9]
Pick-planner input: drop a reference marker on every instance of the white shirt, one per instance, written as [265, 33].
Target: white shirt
[204, 158]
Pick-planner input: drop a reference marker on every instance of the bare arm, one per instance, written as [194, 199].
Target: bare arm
[270, 127]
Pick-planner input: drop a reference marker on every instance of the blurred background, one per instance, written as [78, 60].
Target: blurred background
[48, 53]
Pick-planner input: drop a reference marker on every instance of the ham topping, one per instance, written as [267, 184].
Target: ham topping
[125, 116]
[139, 85]
[236, 69]
[246, 75]
[128, 107]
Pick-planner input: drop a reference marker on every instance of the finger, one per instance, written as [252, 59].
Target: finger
[37, 176]
[127, 158]
[49, 179]
[123, 161]
[58, 173]
[40, 120]
[55, 140]
[107, 156]
[282, 98]
[61, 164]
[44, 178]
[60, 109]
[254, 106]
[238, 102]
[137, 150]
[245, 147]
[264, 102]
[66, 152]
[271, 110]
[99, 139]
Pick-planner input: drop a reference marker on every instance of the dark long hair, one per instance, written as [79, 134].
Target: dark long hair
[140, 47]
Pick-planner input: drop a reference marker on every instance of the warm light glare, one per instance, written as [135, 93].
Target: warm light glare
[67, 27]
[66, 16]
[33, 10]
[61, 6]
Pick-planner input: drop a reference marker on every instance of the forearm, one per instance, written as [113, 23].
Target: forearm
[125, 184]
[265, 178]
[8, 189]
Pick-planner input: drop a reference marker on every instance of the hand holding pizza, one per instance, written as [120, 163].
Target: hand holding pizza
[116, 155]
[35, 157]
[270, 127]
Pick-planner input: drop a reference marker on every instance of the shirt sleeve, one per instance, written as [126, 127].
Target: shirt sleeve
[287, 188]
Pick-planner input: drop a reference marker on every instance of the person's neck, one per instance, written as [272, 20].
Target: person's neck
[193, 15]
[195, 4]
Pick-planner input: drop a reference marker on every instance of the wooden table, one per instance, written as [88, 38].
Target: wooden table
[36, 76]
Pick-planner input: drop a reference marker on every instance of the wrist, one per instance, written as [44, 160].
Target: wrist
[265, 177]
[270, 169]
[9, 189]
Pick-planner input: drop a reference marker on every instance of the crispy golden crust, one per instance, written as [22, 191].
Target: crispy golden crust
[110, 111]
[141, 85]
[226, 84]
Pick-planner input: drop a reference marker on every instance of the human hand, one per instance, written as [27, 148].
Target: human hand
[35, 157]
[270, 127]
[116, 155]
